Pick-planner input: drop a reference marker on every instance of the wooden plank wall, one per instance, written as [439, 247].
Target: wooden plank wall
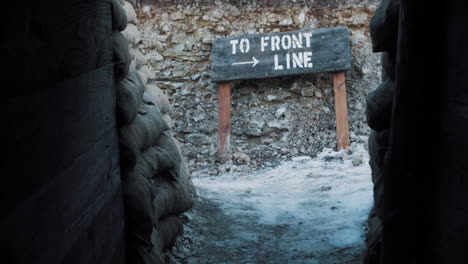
[62, 199]
[426, 185]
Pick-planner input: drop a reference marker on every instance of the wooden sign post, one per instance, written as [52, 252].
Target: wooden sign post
[341, 110]
[224, 120]
[281, 54]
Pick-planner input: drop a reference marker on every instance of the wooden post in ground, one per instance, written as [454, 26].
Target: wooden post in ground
[341, 110]
[224, 120]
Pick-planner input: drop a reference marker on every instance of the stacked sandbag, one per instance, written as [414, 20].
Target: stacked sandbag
[384, 33]
[155, 179]
[133, 36]
[162, 101]
[139, 61]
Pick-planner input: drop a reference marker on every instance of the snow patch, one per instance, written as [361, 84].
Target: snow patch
[324, 200]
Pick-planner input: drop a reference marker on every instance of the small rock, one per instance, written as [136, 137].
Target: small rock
[357, 160]
[156, 57]
[176, 86]
[241, 158]
[280, 112]
[313, 175]
[296, 88]
[179, 38]
[300, 18]
[198, 118]
[254, 127]
[286, 22]
[271, 98]
[195, 77]
[267, 140]
[325, 188]
[308, 91]
[198, 139]
[282, 125]
[220, 29]
[177, 16]
[246, 90]
[318, 94]
[294, 151]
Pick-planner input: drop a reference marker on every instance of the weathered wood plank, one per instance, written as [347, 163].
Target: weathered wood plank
[224, 120]
[46, 226]
[341, 110]
[280, 54]
[62, 201]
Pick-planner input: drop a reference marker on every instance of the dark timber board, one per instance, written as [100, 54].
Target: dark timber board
[62, 197]
[329, 47]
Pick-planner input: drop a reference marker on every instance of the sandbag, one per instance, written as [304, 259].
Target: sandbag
[378, 143]
[186, 179]
[128, 157]
[388, 60]
[139, 58]
[137, 254]
[180, 172]
[148, 99]
[133, 2]
[119, 17]
[130, 12]
[163, 238]
[171, 198]
[131, 33]
[139, 219]
[143, 74]
[373, 252]
[168, 142]
[384, 26]
[153, 161]
[129, 94]
[169, 229]
[379, 106]
[167, 118]
[147, 73]
[378, 146]
[121, 55]
[144, 129]
[161, 99]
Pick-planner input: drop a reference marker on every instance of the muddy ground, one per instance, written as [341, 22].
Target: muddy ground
[307, 210]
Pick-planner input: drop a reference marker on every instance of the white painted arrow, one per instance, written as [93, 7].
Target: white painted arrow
[253, 62]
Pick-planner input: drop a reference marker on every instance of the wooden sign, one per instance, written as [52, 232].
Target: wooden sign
[280, 54]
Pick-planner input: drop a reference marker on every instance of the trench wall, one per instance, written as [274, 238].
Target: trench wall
[272, 119]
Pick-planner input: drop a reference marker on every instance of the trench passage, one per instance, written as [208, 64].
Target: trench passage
[308, 210]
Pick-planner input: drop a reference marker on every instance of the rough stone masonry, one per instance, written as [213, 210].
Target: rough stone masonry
[272, 119]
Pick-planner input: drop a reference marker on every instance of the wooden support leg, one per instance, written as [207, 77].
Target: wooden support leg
[224, 120]
[341, 109]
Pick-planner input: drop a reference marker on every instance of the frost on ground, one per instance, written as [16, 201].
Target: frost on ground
[308, 210]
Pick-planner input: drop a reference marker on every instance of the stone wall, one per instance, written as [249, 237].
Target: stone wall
[272, 119]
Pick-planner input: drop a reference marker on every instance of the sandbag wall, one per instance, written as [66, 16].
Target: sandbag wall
[155, 178]
[384, 34]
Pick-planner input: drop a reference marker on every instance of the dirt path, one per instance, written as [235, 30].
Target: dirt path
[303, 211]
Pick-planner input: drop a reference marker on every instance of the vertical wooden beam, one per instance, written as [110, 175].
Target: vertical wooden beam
[224, 120]
[341, 110]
